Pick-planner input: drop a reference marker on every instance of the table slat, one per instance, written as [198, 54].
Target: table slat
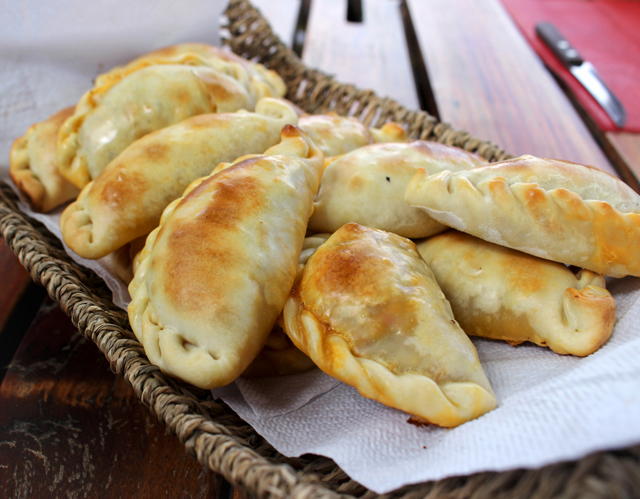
[487, 80]
[627, 145]
[70, 428]
[282, 16]
[371, 55]
[15, 280]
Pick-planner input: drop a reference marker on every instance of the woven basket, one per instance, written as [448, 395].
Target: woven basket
[210, 431]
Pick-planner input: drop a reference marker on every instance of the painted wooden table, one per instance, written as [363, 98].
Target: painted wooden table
[70, 428]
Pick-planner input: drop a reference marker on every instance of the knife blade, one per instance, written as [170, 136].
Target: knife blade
[584, 72]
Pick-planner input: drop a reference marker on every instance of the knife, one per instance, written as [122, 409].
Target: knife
[584, 71]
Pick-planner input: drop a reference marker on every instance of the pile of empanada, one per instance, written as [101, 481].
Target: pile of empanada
[262, 241]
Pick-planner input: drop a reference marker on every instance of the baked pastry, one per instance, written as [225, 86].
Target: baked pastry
[214, 276]
[123, 259]
[34, 167]
[134, 101]
[263, 82]
[335, 135]
[127, 199]
[367, 186]
[368, 311]
[279, 356]
[560, 211]
[504, 294]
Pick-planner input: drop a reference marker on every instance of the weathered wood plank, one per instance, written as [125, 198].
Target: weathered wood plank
[371, 55]
[70, 428]
[282, 16]
[627, 145]
[15, 280]
[487, 80]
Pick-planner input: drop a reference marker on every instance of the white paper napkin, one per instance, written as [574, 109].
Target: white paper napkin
[551, 408]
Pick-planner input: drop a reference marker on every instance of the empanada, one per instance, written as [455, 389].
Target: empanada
[34, 167]
[123, 259]
[504, 294]
[336, 135]
[368, 311]
[127, 199]
[263, 82]
[367, 186]
[214, 276]
[279, 356]
[556, 210]
[130, 103]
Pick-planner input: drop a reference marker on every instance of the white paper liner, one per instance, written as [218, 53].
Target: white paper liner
[551, 408]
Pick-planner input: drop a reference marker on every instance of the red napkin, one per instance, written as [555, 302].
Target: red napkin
[605, 33]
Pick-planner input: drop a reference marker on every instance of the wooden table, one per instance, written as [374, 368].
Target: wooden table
[70, 428]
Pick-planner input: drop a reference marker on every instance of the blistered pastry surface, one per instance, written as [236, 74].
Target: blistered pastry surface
[368, 311]
[556, 210]
[127, 199]
[367, 186]
[34, 167]
[500, 293]
[214, 276]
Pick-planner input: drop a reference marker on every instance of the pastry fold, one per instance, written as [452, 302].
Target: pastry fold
[263, 82]
[214, 276]
[504, 294]
[127, 199]
[560, 211]
[279, 356]
[368, 311]
[148, 95]
[367, 186]
[34, 166]
[336, 135]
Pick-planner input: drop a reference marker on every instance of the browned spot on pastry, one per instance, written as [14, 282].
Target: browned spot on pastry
[155, 151]
[504, 325]
[121, 185]
[523, 274]
[201, 257]
[210, 121]
[217, 87]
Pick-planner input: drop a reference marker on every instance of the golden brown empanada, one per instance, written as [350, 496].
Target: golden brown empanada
[336, 135]
[552, 209]
[367, 186]
[504, 294]
[140, 98]
[368, 311]
[264, 82]
[127, 199]
[34, 167]
[279, 356]
[123, 259]
[214, 276]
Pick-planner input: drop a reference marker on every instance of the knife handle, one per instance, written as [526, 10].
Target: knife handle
[558, 44]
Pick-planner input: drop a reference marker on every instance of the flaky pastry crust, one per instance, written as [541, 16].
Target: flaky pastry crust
[336, 135]
[552, 209]
[127, 199]
[214, 276]
[34, 167]
[368, 311]
[367, 186]
[504, 294]
[153, 92]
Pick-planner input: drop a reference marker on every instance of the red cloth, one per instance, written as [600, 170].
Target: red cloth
[605, 33]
